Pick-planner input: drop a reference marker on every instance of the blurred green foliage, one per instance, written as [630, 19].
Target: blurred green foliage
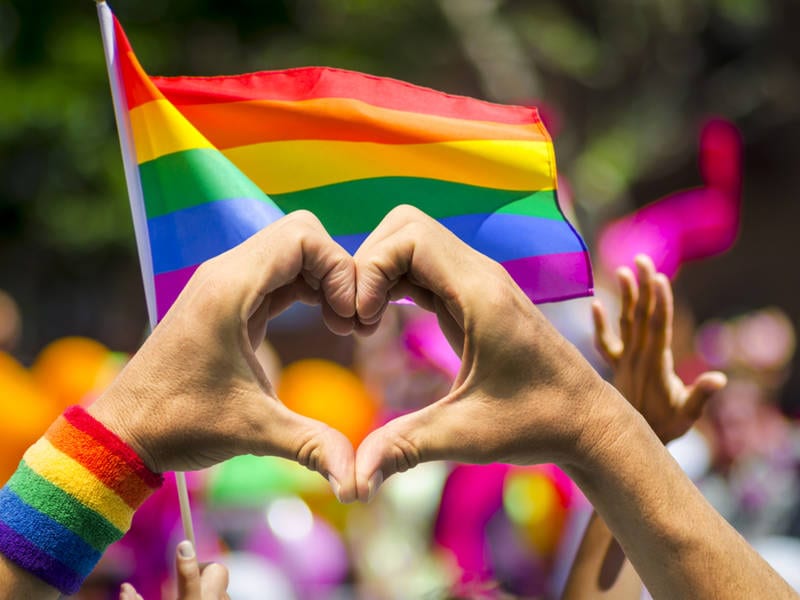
[628, 79]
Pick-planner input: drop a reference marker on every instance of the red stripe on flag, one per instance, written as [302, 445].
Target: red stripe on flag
[324, 82]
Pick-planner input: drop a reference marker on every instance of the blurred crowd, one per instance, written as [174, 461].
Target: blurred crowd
[620, 83]
[441, 530]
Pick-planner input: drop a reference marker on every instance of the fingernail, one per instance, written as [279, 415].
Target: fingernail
[374, 483]
[185, 549]
[335, 487]
[126, 591]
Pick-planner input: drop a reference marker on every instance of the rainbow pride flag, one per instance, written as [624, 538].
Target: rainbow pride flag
[212, 160]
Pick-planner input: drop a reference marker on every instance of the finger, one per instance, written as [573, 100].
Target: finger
[301, 291]
[608, 345]
[396, 447]
[629, 294]
[389, 225]
[188, 571]
[296, 245]
[660, 323]
[439, 431]
[297, 291]
[422, 250]
[336, 323]
[127, 592]
[644, 306]
[312, 444]
[705, 386]
[429, 301]
[214, 581]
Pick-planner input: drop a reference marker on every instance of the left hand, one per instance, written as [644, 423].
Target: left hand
[195, 395]
[641, 358]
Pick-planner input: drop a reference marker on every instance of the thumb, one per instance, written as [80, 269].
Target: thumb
[214, 581]
[705, 386]
[188, 571]
[318, 447]
[396, 447]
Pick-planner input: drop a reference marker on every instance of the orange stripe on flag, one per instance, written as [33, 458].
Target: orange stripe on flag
[228, 125]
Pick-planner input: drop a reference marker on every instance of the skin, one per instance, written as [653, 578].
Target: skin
[643, 367]
[194, 583]
[195, 394]
[523, 395]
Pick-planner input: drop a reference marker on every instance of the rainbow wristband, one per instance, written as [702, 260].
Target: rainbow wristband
[73, 494]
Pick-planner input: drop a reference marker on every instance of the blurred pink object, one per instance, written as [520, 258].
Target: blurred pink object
[314, 560]
[690, 224]
[145, 556]
[471, 497]
[425, 340]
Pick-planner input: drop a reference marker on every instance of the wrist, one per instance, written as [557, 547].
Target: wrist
[607, 420]
[116, 409]
[74, 493]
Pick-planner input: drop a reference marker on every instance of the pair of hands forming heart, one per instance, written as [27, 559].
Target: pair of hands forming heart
[194, 395]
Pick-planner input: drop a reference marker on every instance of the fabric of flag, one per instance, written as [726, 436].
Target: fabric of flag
[219, 158]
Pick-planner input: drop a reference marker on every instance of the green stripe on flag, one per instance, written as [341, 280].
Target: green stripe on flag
[185, 179]
[190, 178]
[358, 206]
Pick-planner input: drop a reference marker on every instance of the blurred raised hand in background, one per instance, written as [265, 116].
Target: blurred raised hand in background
[643, 369]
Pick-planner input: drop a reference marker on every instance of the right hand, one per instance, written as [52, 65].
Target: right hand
[523, 394]
[194, 583]
[641, 358]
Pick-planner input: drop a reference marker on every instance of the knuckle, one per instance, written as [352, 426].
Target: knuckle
[404, 455]
[376, 271]
[302, 224]
[303, 217]
[309, 454]
[404, 213]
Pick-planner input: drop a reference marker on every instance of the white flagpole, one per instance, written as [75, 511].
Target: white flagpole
[136, 198]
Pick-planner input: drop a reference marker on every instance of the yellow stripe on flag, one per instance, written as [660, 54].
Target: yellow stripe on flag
[159, 129]
[290, 166]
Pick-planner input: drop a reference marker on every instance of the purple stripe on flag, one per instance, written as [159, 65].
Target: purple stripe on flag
[553, 277]
[546, 278]
[169, 285]
[30, 557]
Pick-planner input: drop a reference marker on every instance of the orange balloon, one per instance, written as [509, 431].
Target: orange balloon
[27, 413]
[72, 368]
[330, 393]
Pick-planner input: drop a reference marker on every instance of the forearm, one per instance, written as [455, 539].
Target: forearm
[681, 547]
[19, 583]
[600, 570]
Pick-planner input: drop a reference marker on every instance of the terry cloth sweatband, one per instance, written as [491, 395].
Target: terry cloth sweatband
[73, 494]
